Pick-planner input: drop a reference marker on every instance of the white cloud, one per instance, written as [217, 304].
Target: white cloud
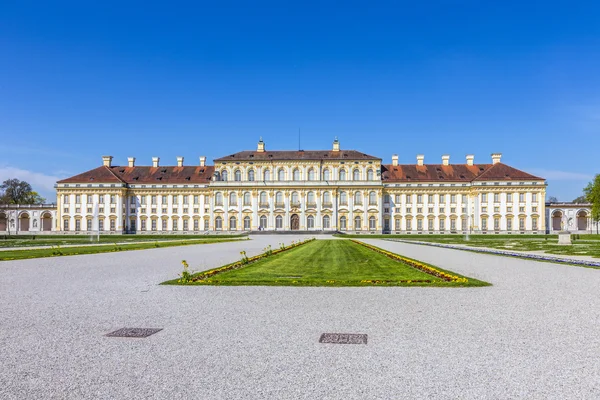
[561, 175]
[41, 183]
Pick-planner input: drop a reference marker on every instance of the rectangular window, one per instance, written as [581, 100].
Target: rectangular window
[442, 224]
[464, 199]
[132, 200]
[66, 210]
[497, 224]
[496, 209]
[206, 225]
[430, 199]
[165, 200]
[521, 209]
[430, 224]
[143, 200]
[419, 210]
[113, 225]
[90, 198]
[509, 197]
[484, 197]
[496, 198]
[153, 225]
[185, 224]
[534, 209]
[534, 223]
[484, 209]
[196, 224]
[101, 199]
[408, 198]
[89, 224]
[509, 224]
[453, 210]
[397, 223]
[452, 224]
[196, 198]
[153, 199]
[66, 199]
[164, 210]
[419, 224]
[65, 225]
[420, 199]
[398, 199]
[185, 199]
[175, 223]
[484, 224]
[534, 197]
[522, 223]
[77, 199]
[113, 210]
[143, 225]
[430, 210]
[408, 210]
[386, 198]
[113, 199]
[164, 224]
[453, 199]
[101, 225]
[522, 197]
[509, 209]
[442, 198]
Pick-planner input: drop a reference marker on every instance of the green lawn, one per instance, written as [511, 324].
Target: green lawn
[64, 240]
[7, 255]
[329, 263]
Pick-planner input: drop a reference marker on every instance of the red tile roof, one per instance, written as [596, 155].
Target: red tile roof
[145, 175]
[453, 173]
[297, 155]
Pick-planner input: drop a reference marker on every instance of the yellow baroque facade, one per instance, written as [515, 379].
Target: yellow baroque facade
[316, 190]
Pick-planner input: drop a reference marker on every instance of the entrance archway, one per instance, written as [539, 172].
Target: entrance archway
[24, 222]
[3, 222]
[557, 220]
[295, 222]
[46, 222]
[582, 221]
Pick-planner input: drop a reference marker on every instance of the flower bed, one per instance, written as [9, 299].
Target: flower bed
[535, 257]
[244, 262]
[428, 269]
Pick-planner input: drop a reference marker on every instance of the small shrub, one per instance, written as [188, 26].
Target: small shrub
[244, 258]
[185, 276]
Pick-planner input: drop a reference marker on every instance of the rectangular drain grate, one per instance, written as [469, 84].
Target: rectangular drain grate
[134, 332]
[344, 338]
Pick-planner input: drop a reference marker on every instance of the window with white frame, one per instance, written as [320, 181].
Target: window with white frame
[357, 224]
[326, 221]
[279, 222]
[247, 199]
[251, 175]
[342, 174]
[246, 223]
[237, 175]
[343, 223]
[326, 174]
[263, 222]
[372, 223]
[356, 175]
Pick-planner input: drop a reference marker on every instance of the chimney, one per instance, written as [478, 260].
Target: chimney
[496, 158]
[395, 160]
[155, 161]
[131, 161]
[202, 161]
[336, 144]
[261, 146]
[470, 159]
[445, 159]
[180, 161]
[107, 160]
[420, 159]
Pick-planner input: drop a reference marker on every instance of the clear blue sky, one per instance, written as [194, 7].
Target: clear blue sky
[144, 79]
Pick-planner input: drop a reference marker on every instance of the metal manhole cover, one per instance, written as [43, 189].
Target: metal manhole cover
[344, 338]
[134, 332]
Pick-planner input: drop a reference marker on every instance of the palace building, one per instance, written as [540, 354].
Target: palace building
[312, 190]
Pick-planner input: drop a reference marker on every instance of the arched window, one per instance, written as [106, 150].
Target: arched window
[311, 174]
[218, 223]
[267, 175]
[232, 199]
[372, 223]
[295, 198]
[296, 174]
[326, 198]
[356, 175]
[310, 222]
[326, 174]
[251, 175]
[343, 223]
[263, 222]
[357, 198]
[224, 175]
[246, 223]
[372, 198]
[279, 199]
[237, 175]
[247, 199]
[344, 198]
[263, 197]
[370, 175]
[281, 174]
[279, 222]
[357, 223]
[326, 222]
[232, 224]
[218, 199]
[310, 198]
[342, 175]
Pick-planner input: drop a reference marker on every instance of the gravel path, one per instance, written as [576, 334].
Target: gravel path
[534, 334]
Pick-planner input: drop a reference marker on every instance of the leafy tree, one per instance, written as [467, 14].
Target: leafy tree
[552, 199]
[580, 200]
[592, 194]
[14, 191]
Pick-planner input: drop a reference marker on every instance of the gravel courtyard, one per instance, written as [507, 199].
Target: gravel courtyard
[534, 334]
